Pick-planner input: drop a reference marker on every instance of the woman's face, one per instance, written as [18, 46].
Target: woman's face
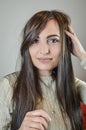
[46, 49]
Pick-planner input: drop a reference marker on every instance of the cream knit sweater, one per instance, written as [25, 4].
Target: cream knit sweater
[49, 104]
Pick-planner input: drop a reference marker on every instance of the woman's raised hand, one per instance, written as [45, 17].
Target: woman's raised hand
[35, 120]
[77, 49]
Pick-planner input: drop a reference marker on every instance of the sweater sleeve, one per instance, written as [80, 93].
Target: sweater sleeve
[5, 104]
[81, 87]
[83, 63]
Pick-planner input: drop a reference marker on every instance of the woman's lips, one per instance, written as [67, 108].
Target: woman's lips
[45, 60]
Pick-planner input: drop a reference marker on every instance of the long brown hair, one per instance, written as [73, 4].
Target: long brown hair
[27, 87]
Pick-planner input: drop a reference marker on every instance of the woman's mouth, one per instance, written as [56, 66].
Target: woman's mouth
[45, 60]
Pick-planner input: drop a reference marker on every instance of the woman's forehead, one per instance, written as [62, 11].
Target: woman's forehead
[51, 28]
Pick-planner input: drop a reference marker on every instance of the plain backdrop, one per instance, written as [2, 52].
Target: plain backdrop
[15, 13]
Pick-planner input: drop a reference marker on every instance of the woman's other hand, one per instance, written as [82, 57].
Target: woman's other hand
[35, 120]
[77, 49]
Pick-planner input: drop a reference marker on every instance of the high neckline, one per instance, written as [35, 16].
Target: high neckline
[47, 81]
[46, 77]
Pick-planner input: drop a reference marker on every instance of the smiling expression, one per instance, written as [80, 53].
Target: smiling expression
[46, 48]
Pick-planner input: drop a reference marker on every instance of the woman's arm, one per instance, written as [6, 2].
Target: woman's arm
[5, 104]
[77, 49]
[81, 88]
[79, 52]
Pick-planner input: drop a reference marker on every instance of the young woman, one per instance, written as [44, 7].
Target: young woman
[45, 95]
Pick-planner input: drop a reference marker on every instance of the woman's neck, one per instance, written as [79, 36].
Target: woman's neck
[45, 73]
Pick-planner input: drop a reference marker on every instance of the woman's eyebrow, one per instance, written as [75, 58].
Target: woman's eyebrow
[53, 35]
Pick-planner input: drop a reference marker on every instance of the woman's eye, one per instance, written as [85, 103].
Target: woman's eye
[35, 41]
[53, 40]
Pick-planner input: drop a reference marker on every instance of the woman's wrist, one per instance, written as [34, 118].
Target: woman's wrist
[83, 60]
[83, 63]
[82, 56]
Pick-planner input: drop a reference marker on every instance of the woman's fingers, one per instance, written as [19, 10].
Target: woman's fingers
[77, 49]
[40, 113]
[70, 34]
[40, 120]
[71, 29]
[34, 125]
[37, 119]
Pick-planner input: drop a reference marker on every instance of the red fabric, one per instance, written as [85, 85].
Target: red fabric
[83, 108]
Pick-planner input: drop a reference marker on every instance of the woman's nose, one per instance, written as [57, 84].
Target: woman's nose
[44, 49]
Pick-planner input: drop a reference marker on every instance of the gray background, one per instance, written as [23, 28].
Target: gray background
[15, 13]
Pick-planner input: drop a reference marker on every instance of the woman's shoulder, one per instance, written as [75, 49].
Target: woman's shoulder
[8, 79]
[11, 78]
[6, 86]
[6, 94]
